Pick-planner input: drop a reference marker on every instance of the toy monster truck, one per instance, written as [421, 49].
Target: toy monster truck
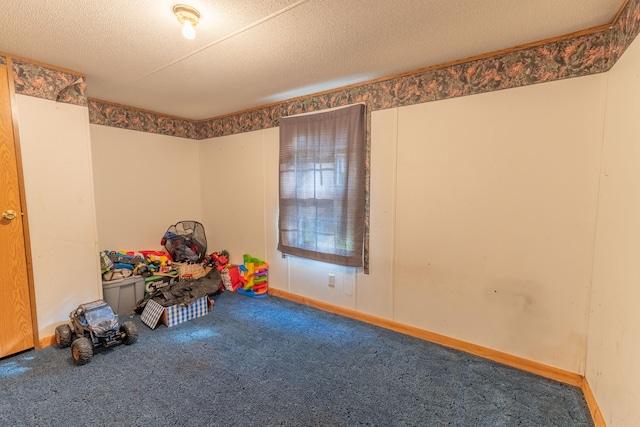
[93, 325]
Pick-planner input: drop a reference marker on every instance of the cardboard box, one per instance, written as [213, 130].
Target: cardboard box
[176, 314]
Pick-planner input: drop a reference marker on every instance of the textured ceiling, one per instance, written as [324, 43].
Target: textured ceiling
[249, 53]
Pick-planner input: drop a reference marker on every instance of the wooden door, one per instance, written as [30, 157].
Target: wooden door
[16, 327]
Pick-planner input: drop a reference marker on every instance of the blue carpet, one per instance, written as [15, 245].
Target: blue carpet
[272, 362]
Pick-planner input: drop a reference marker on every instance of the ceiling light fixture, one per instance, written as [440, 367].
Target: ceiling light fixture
[188, 17]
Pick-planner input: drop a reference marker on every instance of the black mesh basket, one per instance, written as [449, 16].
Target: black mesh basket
[186, 241]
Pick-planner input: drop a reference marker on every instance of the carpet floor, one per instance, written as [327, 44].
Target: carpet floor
[273, 362]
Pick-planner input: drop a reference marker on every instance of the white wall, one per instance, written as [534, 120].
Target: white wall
[56, 156]
[495, 218]
[482, 218]
[375, 291]
[233, 191]
[613, 371]
[143, 183]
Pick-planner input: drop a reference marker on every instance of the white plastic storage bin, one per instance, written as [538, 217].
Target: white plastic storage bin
[122, 295]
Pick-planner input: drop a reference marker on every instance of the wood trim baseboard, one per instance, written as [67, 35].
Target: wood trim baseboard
[477, 350]
[594, 409]
[48, 341]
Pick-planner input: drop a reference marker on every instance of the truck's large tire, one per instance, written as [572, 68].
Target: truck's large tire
[63, 336]
[130, 332]
[81, 350]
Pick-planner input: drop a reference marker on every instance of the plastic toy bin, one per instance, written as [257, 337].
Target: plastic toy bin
[122, 295]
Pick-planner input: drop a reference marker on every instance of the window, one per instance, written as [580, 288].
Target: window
[322, 178]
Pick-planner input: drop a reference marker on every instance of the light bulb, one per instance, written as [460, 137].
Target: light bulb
[187, 30]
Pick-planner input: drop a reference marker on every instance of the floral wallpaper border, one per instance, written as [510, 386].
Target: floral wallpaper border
[47, 83]
[103, 113]
[573, 57]
[624, 30]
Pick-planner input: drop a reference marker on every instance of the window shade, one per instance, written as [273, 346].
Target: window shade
[322, 181]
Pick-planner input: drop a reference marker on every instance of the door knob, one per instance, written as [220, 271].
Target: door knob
[8, 214]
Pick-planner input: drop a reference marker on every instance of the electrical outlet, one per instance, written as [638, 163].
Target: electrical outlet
[332, 280]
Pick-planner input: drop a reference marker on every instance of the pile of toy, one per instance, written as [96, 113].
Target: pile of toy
[250, 278]
[255, 277]
[156, 267]
[121, 264]
[220, 261]
[185, 258]
[185, 241]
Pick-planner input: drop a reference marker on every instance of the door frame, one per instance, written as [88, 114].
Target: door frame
[23, 206]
